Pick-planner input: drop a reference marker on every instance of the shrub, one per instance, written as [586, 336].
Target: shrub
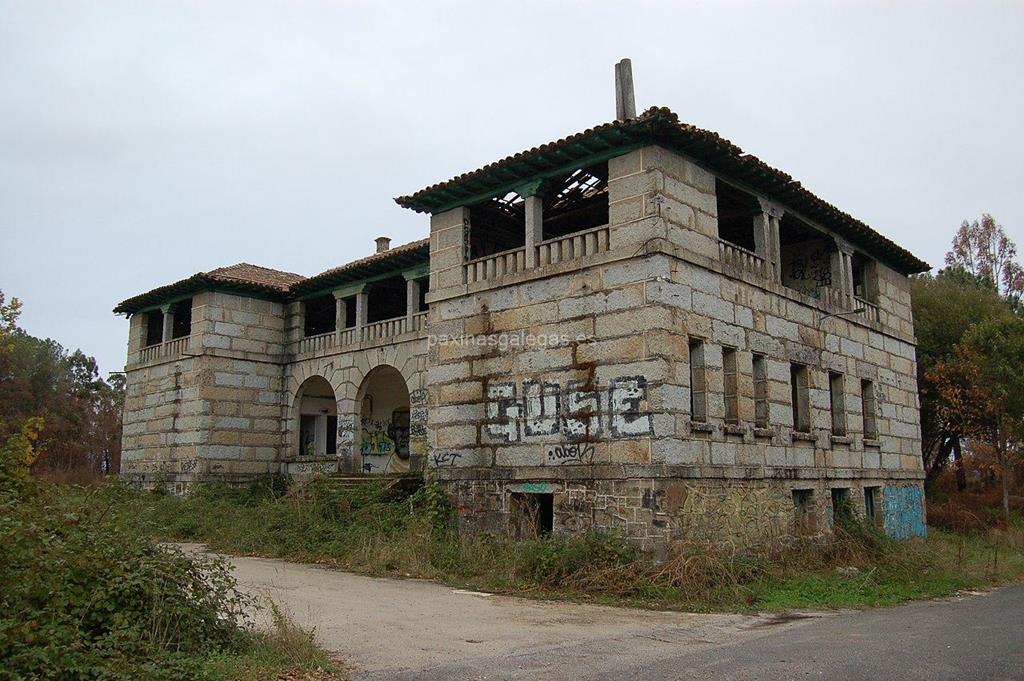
[86, 596]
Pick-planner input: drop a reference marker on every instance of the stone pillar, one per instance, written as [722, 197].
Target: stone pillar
[339, 317]
[362, 299]
[534, 228]
[412, 298]
[842, 270]
[769, 227]
[168, 330]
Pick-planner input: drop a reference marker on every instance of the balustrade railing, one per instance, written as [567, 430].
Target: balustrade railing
[870, 310]
[318, 342]
[739, 260]
[572, 246]
[171, 348]
[491, 267]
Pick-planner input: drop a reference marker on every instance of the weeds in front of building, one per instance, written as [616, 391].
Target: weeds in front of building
[375, 530]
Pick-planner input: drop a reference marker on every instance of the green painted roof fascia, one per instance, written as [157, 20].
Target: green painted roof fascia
[359, 284]
[186, 289]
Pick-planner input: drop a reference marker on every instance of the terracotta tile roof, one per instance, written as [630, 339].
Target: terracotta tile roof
[254, 274]
[662, 127]
[406, 255]
[264, 282]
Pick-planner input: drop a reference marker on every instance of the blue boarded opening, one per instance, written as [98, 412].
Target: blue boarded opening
[904, 512]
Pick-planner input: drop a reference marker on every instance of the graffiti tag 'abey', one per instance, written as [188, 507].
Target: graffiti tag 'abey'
[577, 412]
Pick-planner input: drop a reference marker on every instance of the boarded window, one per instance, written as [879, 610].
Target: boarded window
[531, 515]
[731, 384]
[319, 315]
[803, 509]
[837, 402]
[867, 392]
[698, 382]
[760, 366]
[798, 381]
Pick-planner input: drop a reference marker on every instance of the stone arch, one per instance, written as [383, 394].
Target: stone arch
[314, 413]
[384, 408]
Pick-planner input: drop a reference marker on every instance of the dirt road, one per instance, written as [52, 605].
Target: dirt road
[413, 629]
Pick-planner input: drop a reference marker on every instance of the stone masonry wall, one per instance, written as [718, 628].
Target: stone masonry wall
[603, 407]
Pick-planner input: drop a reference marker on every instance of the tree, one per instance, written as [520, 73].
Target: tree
[982, 249]
[945, 307]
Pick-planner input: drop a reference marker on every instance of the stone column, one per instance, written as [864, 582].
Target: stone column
[768, 227]
[168, 330]
[412, 298]
[339, 317]
[534, 228]
[842, 270]
[362, 298]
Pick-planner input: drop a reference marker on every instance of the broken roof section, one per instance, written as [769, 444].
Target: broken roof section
[656, 126]
[263, 282]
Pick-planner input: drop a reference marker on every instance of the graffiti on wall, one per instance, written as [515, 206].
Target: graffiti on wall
[807, 268]
[545, 409]
[572, 453]
[346, 435]
[904, 512]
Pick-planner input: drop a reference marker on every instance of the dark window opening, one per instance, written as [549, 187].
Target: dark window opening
[698, 383]
[760, 365]
[842, 508]
[870, 503]
[531, 515]
[154, 328]
[865, 285]
[867, 392]
[837, 403]
[182, 325]
[424, 289]
[319, 315]
[731, 385]
[307, 434]
[806, 256]
[736, 212]
[578, 202]
[386, 299]
[798, 375]
[497, 225]
[350, 312]
[332, 434]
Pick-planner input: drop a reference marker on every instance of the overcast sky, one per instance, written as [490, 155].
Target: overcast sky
[141, 141]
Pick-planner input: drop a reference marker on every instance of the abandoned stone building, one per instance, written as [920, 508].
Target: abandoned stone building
[637, 327]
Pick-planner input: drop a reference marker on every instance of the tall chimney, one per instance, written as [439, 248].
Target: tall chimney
[383, 243]
[625, 104]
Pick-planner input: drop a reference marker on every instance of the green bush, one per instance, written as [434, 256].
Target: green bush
[87, 596]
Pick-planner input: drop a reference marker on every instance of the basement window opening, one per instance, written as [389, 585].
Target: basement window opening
[803, 509]
[386, 299]
[736, 212]
[496, 226]
[318, 315]
[531, 515]
[578, 203]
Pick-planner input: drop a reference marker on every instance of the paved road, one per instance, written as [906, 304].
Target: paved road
[412, 629]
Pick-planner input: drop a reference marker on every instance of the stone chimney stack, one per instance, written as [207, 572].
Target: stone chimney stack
[383, 243]
[625, 103]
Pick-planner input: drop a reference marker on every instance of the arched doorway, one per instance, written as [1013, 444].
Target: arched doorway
[384, 422]
[318, 418]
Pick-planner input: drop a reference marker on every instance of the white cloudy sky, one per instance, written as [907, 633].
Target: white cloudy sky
[143, 141]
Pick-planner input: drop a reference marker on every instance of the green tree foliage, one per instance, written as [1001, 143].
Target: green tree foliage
[80, 413]
[945, 306]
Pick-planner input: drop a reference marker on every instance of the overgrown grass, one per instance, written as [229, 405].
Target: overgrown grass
[87, 594]
[375, 531]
